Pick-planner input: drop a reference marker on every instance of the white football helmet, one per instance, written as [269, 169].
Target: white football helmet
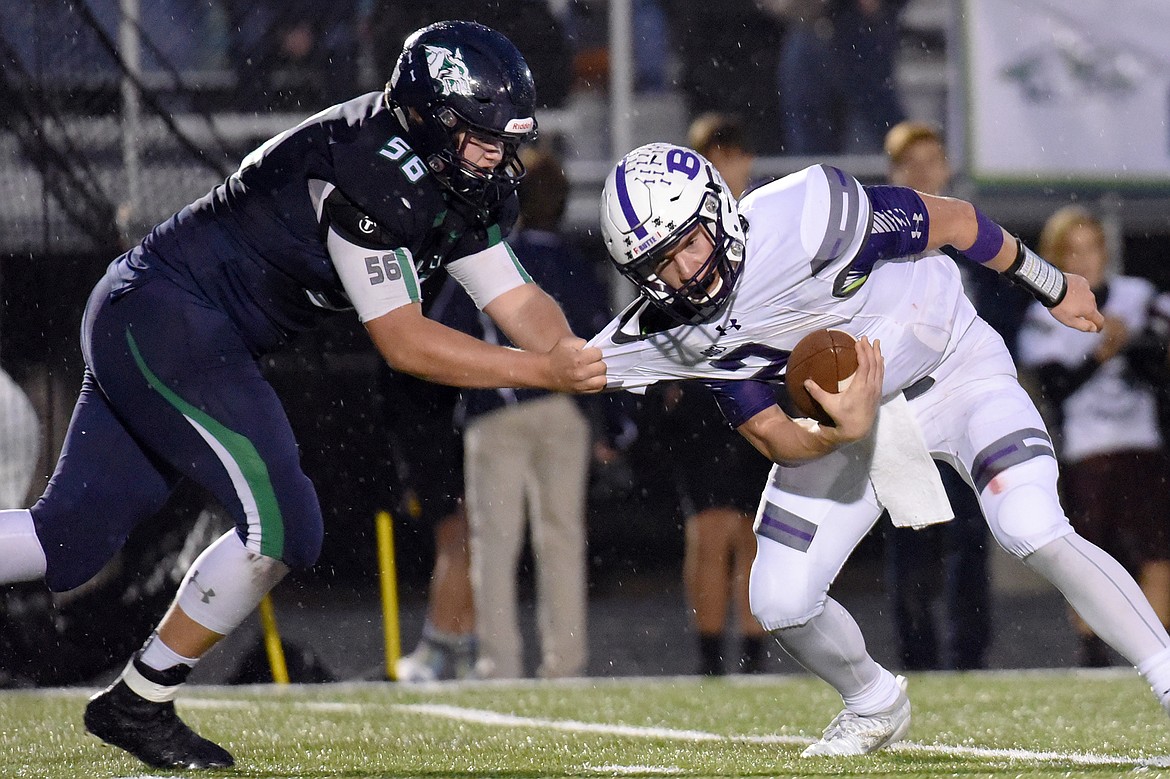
[656, 195]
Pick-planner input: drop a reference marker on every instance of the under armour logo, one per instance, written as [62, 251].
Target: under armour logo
[208, 594]
[916, 232]
[367, 225]
[712, 351]
[732, 325]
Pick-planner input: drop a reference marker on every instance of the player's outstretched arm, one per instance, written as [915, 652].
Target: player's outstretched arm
[529, 317]
[784, 440]
[960, 224]
[413, 344]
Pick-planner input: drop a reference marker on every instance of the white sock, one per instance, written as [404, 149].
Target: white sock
[876, 697]
[831, 646]
[156, 672]
[22, 559]
[1104, 595]
[157, 655]
[1156, 671]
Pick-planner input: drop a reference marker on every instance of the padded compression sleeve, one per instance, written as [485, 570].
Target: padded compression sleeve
[900, 226]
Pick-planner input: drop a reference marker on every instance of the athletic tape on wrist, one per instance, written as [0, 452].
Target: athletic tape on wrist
[1044, 280]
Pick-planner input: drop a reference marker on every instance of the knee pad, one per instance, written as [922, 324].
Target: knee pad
[1022, 507]
[226, 582]
[776, 604]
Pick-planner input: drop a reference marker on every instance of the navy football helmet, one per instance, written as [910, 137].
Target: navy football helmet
[462, 77]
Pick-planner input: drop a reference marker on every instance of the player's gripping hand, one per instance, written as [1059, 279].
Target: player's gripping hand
[854, 408]
[573, 367]
[1078, 309]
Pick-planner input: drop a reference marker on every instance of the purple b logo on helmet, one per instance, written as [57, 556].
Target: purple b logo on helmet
[684, 161]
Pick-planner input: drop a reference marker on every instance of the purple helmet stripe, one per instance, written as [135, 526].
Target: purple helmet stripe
[624, 201]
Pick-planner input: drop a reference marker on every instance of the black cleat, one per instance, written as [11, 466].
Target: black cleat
[150, 731]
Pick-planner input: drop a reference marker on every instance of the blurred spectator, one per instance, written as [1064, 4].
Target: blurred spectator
[527, 456]
[427, 447]
[530, 24]
[587, 25]
[918, 159]
[1102, 392]
[716, 478]
[295, 54]
[721, 139]
[836, 74]
[724, 47]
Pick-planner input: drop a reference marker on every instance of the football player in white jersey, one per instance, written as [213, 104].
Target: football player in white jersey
[727, 290]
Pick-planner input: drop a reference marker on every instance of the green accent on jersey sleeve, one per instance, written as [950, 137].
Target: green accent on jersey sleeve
[516, 261]
[408, 275]
[493, 235]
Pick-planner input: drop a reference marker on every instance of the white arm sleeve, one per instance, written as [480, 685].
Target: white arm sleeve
[376, 281]
[488, 274]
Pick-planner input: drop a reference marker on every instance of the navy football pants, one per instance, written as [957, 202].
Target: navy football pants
[170, 391]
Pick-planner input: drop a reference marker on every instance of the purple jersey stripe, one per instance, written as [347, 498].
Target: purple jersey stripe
[624, 200]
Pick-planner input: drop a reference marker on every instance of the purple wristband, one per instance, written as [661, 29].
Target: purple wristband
[988, 239]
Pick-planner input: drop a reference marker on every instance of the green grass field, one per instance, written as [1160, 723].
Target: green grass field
[966, 725]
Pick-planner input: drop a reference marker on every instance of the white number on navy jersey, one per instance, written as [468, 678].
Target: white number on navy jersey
[412, 167]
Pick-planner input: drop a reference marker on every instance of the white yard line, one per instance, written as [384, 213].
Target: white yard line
[485, 717]
[500, 719]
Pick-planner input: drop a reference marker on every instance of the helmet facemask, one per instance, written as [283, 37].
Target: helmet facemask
[701, 296]
[480, 188]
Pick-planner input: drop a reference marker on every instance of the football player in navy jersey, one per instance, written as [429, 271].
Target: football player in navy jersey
[352, 208]
[727, 290]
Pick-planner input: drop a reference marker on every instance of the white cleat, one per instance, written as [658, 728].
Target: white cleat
[853, 734]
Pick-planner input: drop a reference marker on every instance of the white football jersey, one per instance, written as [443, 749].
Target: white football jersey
[805, 231]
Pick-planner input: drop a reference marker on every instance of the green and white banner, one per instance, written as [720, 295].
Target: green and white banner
[1067, 92]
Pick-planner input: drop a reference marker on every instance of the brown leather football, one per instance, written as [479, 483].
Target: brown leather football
[825, 356]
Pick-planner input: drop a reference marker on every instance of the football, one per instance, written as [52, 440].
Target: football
[828, 358]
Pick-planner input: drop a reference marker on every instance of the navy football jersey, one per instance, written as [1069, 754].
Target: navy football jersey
[255, 246]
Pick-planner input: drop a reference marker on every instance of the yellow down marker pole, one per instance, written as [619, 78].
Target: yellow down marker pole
[272, 643]
[388, 576]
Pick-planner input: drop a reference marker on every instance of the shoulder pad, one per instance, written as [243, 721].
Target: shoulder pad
[835, 210]
[353, 224]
